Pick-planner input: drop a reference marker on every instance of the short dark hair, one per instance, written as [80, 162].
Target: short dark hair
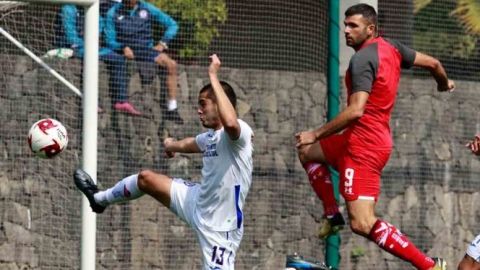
[367, 11]
[228, 91]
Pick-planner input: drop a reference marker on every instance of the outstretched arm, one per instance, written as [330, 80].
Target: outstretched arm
[354, 111]
[436, 69]
[226, 111]
[187, 145]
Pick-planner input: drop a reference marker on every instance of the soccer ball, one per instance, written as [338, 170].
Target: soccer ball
[47, 138]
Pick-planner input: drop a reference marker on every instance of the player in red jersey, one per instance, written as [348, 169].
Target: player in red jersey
[358, 142]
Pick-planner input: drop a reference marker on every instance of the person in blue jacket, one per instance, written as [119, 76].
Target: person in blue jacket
[71, 35]
[128, 31]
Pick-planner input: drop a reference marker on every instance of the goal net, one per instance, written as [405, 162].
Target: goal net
[40, 209]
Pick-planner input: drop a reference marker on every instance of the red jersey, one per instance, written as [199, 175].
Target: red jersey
[375, 68]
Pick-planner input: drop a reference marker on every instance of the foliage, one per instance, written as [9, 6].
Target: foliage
[420, 4]
[468, 13]
[198, 20]
[450, 38]
[451, 45]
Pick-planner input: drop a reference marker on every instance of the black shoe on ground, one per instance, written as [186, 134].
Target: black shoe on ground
[331, 225]
[84, 182]
[174, 116]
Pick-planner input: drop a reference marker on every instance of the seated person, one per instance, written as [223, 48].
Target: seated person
[129, 31]
[71, 35]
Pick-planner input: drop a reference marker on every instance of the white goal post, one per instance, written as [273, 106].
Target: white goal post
[90, 122]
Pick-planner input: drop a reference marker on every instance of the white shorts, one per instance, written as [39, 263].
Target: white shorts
[218, 248]
[473, 249]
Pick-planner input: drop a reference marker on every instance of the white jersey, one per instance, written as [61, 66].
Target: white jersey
[226, 177]
[473, 249]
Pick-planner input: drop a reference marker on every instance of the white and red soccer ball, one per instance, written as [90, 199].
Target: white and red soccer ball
[47, 138]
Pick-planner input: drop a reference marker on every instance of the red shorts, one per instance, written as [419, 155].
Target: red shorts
[359, 167]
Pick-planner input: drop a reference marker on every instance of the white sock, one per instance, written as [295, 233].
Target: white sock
[125, 190]
[172, 104]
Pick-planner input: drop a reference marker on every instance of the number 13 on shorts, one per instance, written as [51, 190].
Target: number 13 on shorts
[349, 173]
[217, 255]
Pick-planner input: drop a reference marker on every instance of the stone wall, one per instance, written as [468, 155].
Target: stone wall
[430, 185]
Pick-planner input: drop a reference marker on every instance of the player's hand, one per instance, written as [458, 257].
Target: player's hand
[450, 86]
[214, 65]
[304, 138]
[128, 53]
[166, 143]
[474, 145]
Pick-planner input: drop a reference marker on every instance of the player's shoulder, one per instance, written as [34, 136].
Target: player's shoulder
[114, 9]
[368, 50]
[148, 6]
[393, 42]
[397, 44]
[245, 125]
[366, 55]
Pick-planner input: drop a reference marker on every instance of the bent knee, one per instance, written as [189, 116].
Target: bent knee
[362, 227]
[302, 154]
[146, 178]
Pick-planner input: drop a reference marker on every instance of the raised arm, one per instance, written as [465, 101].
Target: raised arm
[436, 69]
[411, 57]
[226, 111]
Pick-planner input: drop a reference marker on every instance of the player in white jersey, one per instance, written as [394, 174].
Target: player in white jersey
[213, 208]
[471, 260]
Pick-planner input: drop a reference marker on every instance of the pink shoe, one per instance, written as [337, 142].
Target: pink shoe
[126, 107]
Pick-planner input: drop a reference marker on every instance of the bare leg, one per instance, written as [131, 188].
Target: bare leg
[311, 153]
[468, 263]
[172, 77]
[156, 185]
[364, 222]
[313, 161]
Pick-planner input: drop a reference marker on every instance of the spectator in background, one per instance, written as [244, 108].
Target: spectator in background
[71, 35]
[129, 31]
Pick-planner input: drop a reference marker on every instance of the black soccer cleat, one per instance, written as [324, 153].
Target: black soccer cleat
[84, 182]
[331, 225]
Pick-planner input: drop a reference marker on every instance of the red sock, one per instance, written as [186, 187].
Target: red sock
[319, 177]
[392, 240]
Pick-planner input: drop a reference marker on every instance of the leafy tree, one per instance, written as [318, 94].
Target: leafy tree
[452, 27]
[468, 13]
[198, 21]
